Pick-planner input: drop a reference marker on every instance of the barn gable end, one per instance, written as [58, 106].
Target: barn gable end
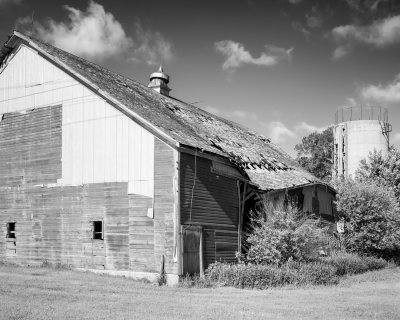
[70, 159]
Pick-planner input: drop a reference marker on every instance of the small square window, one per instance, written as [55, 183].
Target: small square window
[98, 230]
[11, 230]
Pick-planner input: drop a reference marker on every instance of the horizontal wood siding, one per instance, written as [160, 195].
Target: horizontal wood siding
[165, 227]
[54, 223]
[29, 154]
[210, 200]
[141, 234]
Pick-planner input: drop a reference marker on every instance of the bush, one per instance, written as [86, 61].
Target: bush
[268, 276]
[372, 218]
[280, 234]
[350, 263]
[375, 263]
[326, 271]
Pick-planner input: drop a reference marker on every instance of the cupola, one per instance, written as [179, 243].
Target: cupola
[159, 82]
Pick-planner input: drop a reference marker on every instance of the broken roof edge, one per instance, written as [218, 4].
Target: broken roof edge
[220, 158]
[114, 102]
[309, 184]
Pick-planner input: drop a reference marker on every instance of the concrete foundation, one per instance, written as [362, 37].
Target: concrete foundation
[172, 279]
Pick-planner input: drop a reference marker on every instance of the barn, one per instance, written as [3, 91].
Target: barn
[100, 172]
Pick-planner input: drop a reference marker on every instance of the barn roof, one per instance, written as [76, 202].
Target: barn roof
[266, 164]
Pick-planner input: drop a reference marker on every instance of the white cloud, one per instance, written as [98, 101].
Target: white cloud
[154, 49]
[308, 128]
[212, 110]
[365, 5]
[278, 132]
[314, 18]
[94, 33]
[239, 114]
[97, 35]
[351, 102]
[236, 55]
[380, 34]
[4, 2]
[389, 93]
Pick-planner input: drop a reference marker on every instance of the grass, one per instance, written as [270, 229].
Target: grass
[45, 293]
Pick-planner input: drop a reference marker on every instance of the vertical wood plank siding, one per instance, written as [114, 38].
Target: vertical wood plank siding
[210, 200]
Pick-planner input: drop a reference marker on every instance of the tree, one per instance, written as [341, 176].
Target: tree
[315, 153]
[384, 170]
[372, 217]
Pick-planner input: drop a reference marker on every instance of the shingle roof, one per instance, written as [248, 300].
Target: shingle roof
[266, 164]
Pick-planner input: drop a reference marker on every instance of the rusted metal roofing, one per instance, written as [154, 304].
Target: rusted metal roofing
[266, 164]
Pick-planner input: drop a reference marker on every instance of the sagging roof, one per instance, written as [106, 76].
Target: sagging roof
[266, 165]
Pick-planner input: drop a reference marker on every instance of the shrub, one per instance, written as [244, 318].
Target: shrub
[268, 276]
[375, 263]
[350, 263]
[280, 234]
[326, 271]
[372, 218]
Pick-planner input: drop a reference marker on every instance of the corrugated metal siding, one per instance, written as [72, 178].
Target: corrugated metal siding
[215, 206]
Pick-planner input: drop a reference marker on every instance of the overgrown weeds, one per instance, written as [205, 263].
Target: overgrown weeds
[195, 281]
[350, 263]
[269, 276]
[58, 265]
[325, 271]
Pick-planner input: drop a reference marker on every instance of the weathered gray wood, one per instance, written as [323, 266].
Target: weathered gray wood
[54, 223]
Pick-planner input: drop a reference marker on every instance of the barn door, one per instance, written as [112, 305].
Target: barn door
[192, 246]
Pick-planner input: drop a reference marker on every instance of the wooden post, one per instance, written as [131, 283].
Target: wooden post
[239, 211]
[201, 253]
[240, 222]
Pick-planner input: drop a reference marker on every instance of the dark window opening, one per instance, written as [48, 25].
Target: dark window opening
[98, 230]
[11, 230]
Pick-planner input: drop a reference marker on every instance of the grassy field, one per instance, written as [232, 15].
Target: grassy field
[42, 293]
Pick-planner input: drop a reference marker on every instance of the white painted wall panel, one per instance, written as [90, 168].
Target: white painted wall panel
[99, 143]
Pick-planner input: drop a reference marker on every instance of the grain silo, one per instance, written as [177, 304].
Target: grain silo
[358, 131]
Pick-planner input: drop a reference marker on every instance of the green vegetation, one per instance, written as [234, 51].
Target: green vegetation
[382, 170]
[270, 276]
[43, 293]
[324, 271]
[280, 235]
[372, 218]
[314, 153]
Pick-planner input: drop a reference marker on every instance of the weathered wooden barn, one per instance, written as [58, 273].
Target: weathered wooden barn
[98, 171]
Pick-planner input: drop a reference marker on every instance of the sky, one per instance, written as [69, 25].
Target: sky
[279, 67]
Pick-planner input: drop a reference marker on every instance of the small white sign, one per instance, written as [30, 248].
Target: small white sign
[340, 226]
[150, 213]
